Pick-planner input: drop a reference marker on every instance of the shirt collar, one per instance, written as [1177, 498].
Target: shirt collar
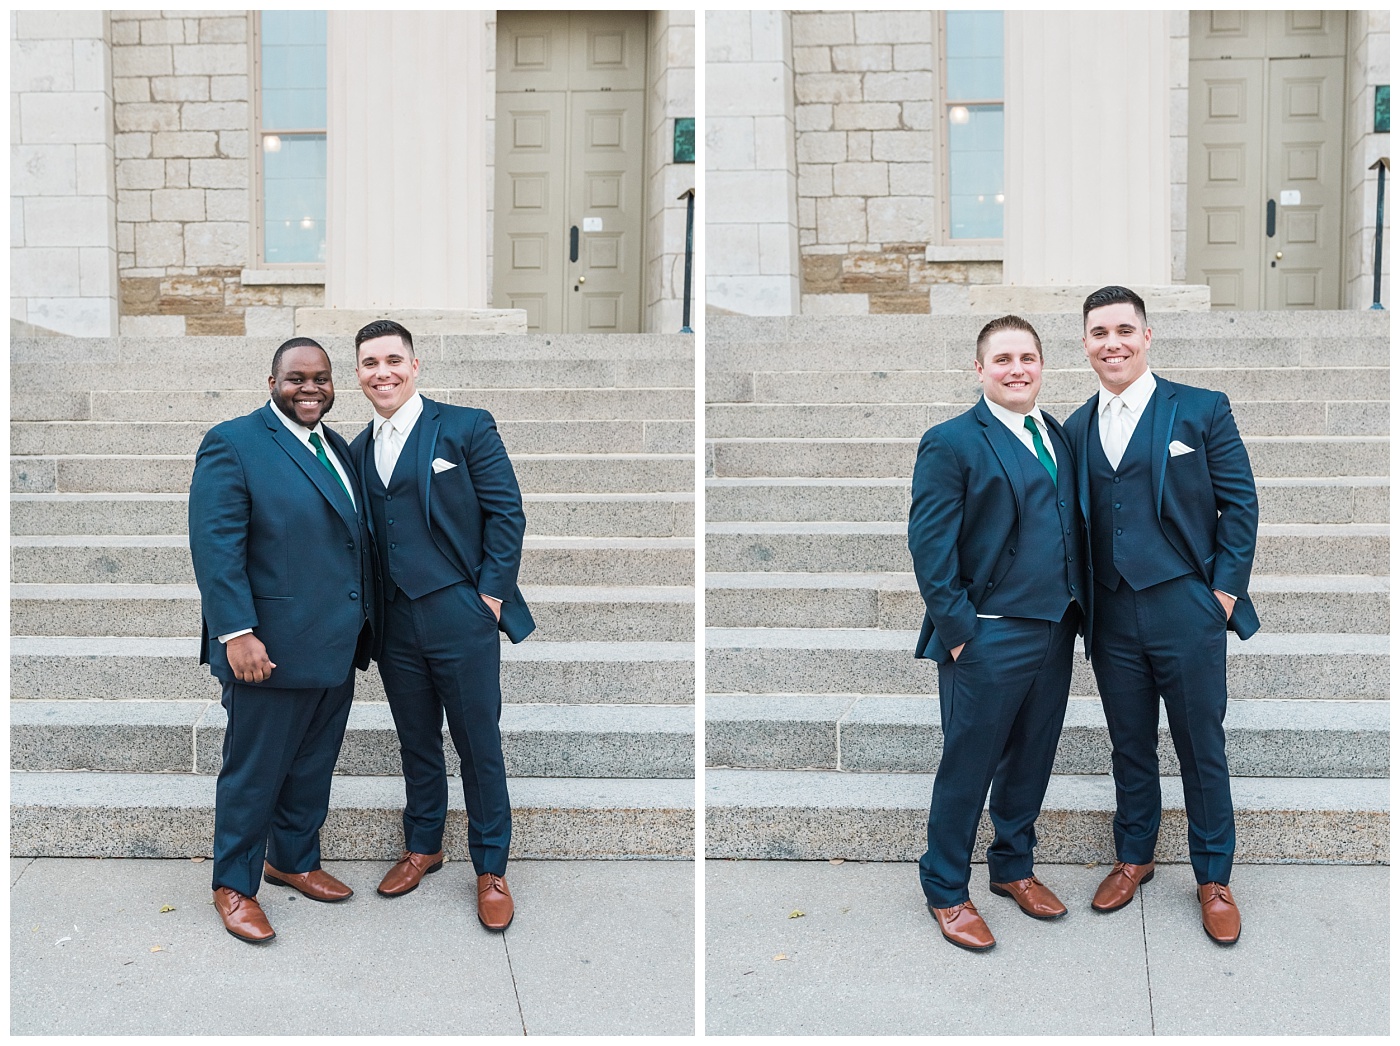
[1015, 422]
[402, 419]
[1135, 396]
[296, 428]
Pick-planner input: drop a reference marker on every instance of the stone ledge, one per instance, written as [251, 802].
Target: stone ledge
[283, 277]
[1020, 299]
[315, 320]
[964, 252]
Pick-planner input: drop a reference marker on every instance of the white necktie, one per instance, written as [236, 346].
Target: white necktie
[1115, 440]
[386, 451]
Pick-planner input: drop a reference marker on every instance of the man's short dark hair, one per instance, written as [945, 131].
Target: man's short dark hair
[1006, 323]
[381, 329]
[295, 343]
[1114, 295]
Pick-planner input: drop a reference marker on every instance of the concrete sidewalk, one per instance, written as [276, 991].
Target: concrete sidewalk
[866, 956]
[597, 947]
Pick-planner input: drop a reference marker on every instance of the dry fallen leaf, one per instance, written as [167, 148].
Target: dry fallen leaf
[155, 947]
[166, 908]
[197, 860]
[779, 957]
[837, 860]
[796, 914]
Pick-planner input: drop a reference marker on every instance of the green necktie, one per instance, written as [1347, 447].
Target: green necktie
[321, 454]
[1040, 451]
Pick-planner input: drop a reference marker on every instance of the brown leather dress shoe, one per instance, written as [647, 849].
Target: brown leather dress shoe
[1119, 885]
[961, 925]
[1219, 914]
[1033, 897]
[494, 905]
[317, 884]
[408, 872]
[243, 916]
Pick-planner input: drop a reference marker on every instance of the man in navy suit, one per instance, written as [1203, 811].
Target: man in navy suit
[285, 572]
[449, 523]
[1167, 496]
[997, 556]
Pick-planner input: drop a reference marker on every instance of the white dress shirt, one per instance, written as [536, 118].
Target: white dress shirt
[391, 433]
[1135, 399]
[303, 433]
[1017, 424]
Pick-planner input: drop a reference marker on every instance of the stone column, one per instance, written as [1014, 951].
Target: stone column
[408, 191]
[751, 260]
[1088, 163]
[63, 196]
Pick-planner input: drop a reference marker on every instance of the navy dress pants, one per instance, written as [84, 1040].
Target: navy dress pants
[442, 654]
[1168, 639]
[1002, 704]
[280, 748]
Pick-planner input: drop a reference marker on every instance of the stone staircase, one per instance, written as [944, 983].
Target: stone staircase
[822, 730]
[116, 731]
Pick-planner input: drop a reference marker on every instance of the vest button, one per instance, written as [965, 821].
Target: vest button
[1119, 530]
[350, 545]
[989, 584]
[392, 545]
[1062, 504]
[354, 595]
[1117, 479]
[391, 522]
[388, 497]
[1118, 504]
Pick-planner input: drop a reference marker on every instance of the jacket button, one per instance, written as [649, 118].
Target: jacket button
[989, 584]
[1062, 504]
[350, 545]
[354, 595]
[1012, 551]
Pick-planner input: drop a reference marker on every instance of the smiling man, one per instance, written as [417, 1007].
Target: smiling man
[996, 550]
[449, 523]
[1167, 495]
[284, 567]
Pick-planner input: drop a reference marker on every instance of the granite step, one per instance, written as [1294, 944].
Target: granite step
[78, 559]
[1362, 417]
[1336, 499]
[101, 814]
[215, 369]
[61, 668]
[1354, 603]
[649, 741]
[563, 613]
[164, 438]
[1313, 666]
[660, 514]
[1282, 548]
[1292, 457]
[537, 473]
[879, 733]
[352, 412]
[821, 815]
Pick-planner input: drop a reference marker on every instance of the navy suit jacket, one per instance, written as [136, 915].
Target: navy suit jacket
[474, 511]
[278, 548]
[964, 522]
[1205, 500]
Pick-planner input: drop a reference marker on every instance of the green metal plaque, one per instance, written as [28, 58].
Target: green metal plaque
[684, 148]
[1383, 109]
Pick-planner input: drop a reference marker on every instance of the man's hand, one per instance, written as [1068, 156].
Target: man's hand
[956, 651]
[494, 604]
[1228, 602]
[248, 658]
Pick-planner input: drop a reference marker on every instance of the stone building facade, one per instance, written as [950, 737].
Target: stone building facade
[133, 196]
[830, 120]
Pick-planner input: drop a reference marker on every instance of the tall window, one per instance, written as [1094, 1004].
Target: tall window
[973, 125]
[291, 79]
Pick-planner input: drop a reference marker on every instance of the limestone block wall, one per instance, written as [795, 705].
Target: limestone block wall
[63, 256]
[184, 201]
[671, 75]
[751, 241]
[1368, 59]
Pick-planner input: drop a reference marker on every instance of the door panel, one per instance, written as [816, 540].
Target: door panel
[578, 80]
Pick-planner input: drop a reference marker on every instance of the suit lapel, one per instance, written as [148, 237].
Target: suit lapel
[429, 424]
[1003, 446]
[1163, 417]
[305, 460]
[1062, 448]
[1081, 453]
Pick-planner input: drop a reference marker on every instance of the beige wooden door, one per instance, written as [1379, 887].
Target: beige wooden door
[570, 134]
[1265, 117]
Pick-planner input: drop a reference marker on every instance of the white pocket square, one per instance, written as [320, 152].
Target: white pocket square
[441, 465]
[1175, 449]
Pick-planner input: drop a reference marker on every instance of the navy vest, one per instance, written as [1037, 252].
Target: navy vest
[1042, 579]
[407, 551]
[1129, 543]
